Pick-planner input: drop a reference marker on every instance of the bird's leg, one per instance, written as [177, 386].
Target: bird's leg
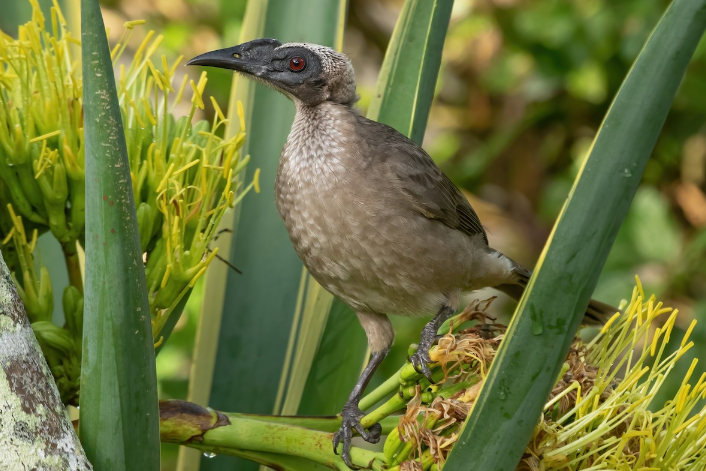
[352, 414]
[420, 359]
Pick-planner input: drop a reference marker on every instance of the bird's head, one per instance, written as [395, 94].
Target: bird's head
[309, 73]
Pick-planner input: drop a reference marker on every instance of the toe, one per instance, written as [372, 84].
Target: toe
[336, 442]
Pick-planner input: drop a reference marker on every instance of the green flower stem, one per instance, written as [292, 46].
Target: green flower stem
[323, 424]
[392, 405]
[73, 265]
[381, 392]
[272, 460]
[191, 425]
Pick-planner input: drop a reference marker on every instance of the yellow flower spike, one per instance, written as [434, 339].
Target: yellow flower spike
[57, 9]
[37, 15]
[156, 75]
[141, 49]
[687, 424]
[681, 398]
[669, 325]
[185, 168]
[683, 350]
[203, 79]
[638, 284]
[163, 183]
[159, 342]
[256, 180]
[72, 40]
[165, 67]
[196, 99]
[133, 105]
[688, 332]
[229, 182]
[148, 112]
[178, 60]
[33, 243]
[16, 221]
[182, 87]
[607, 325]
[155, 45]
[210, 257]
[699, 386]
[165, 278]
[690, 371]
[654, 342]
[196, 277]
[241, 116]
[133, 23]
[9, 236]
[219, 113]
[631, 380]
[45, 136]
[227, 161]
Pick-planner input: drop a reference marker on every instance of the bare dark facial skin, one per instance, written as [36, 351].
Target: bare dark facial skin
[295, 71]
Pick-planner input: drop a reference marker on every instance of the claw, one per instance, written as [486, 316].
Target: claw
[420, 362]
[351, 416]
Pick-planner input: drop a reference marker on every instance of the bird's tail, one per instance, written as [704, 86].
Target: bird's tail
[597, 312]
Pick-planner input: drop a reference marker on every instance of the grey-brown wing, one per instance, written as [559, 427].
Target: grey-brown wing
[428, 189]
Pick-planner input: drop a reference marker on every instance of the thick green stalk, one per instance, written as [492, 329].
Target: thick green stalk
[119, 424]
[211, 431]
[519, 383]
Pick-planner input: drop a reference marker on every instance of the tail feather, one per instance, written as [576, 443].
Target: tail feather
[597, 312]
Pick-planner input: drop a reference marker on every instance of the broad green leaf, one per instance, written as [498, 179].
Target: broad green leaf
[256, 308]
[119, 424]
[405, 88]
[216, 278]
[518, 384]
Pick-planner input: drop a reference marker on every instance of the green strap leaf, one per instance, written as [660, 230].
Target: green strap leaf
[407, 80]
[518, 385]
[119, 424]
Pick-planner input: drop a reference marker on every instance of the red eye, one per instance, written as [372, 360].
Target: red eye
[297, 64]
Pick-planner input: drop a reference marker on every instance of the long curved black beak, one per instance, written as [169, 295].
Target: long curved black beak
[253, 57]
[228, 58]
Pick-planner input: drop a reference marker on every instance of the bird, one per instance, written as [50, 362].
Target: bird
[372, 217]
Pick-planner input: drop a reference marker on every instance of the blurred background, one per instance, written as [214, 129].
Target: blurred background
[523, 87]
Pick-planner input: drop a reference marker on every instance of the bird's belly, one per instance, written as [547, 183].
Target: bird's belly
[372, 259]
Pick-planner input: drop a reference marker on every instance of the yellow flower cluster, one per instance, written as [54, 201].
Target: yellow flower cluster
[185, 176]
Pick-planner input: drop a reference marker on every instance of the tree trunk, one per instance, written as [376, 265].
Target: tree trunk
[35, 431]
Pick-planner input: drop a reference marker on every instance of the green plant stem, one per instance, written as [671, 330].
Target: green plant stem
[187, 424]
[322, 424]
[73, 265]
[390, 385]
[271, 460]
[392, 405]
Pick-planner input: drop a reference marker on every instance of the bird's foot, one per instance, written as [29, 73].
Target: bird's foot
[351, 416]
[420, 360]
